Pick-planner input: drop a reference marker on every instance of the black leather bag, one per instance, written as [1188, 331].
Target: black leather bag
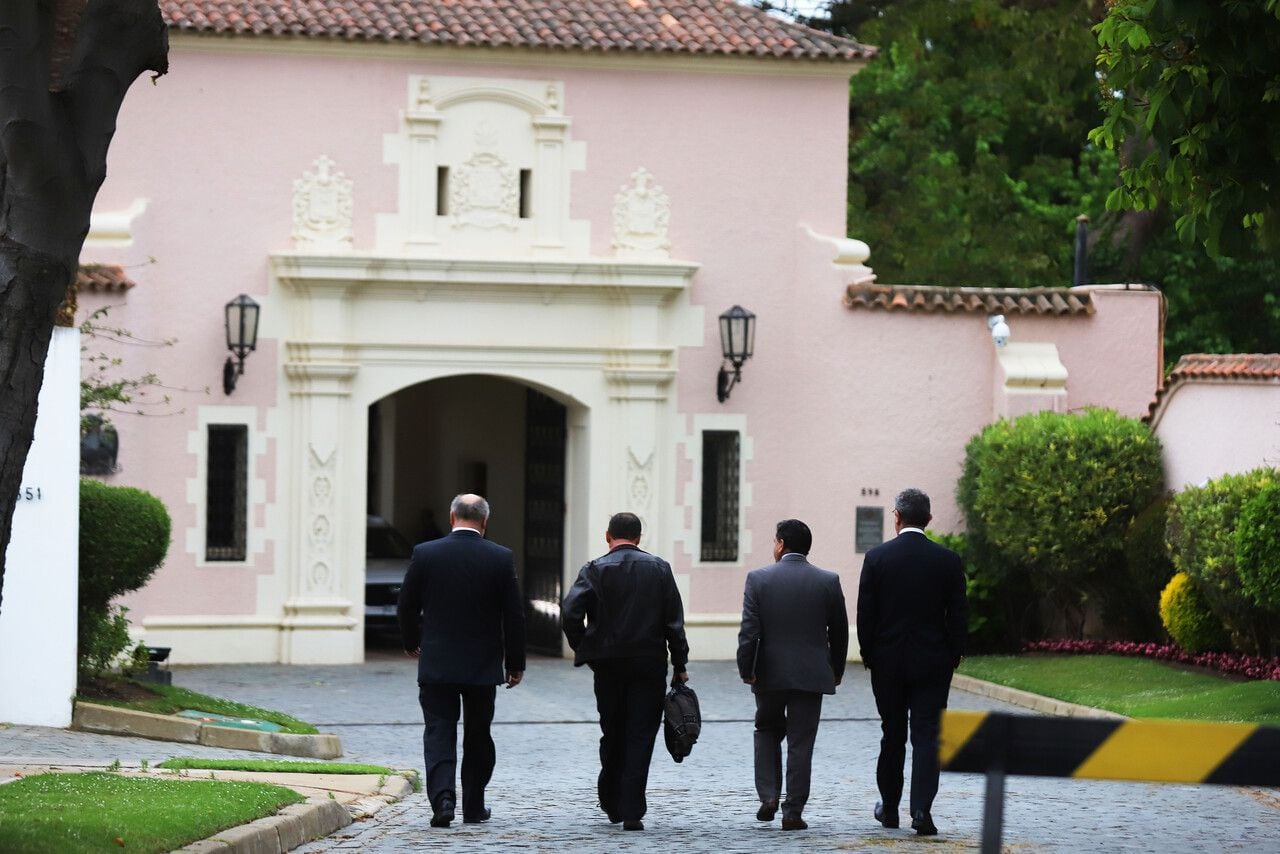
[681, 720]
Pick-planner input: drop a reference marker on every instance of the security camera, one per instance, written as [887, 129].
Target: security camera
[999, 329]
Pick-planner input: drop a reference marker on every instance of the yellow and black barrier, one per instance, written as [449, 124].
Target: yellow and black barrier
[997, 744]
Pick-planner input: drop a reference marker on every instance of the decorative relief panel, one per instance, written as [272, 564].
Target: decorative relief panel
[322, 208]
[485, 190]
[639, 477]
[319, 542]
[641, 212]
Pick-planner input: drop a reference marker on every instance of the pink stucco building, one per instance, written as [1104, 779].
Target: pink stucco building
[1218, 414]
[490, 250]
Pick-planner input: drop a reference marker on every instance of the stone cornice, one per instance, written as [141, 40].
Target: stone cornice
[370, 273]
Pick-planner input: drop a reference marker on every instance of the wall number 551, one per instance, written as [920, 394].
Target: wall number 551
[29, 493]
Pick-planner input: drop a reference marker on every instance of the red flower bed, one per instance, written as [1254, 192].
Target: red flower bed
[1231, 663]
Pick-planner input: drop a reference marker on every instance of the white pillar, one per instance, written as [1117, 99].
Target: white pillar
[41, 582]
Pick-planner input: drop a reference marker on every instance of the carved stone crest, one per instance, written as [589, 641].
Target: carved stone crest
[641, 212]
[322, 208]
[485, 190]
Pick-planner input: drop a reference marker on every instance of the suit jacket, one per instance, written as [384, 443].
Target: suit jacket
[912, 608]
[797, 611]
[625, 605]
[460, 603]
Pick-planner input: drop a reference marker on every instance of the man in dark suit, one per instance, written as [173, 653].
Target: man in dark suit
[912, 622]
[461, 615]
[791, 650]
[621, 617]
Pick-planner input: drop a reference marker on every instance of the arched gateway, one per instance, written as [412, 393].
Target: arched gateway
[596, 337]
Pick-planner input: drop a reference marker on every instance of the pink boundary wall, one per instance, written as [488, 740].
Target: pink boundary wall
[837, 400]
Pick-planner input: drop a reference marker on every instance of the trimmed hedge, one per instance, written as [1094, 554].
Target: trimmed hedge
[1202, 538]
[1056, 493]
[1188, 619]
[1258, 547]
[124, 537]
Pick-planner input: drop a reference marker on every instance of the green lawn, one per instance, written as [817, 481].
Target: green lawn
[71, 813]
[171, 699]
[1137, 687]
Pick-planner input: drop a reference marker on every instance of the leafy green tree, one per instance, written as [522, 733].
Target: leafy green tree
[1194, 105]
[968, 159]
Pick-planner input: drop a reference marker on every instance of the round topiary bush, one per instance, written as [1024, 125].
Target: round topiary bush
[1187, 618]
[124, 537]
[1258, 547]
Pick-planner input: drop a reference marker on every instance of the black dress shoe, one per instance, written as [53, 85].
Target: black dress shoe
[885, 817]
[794, 822]
[633, 825]
[922, 824]
[768, 809]
[442, 814]
[476, 818]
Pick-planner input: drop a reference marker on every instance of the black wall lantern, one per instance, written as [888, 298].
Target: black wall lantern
[242, 338]
[737, 341]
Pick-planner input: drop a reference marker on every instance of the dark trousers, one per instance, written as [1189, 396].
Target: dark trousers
[629, 694]
[792, 715]
[440, 710]
[915, 699]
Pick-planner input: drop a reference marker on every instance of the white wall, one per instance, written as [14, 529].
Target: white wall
[41, 582]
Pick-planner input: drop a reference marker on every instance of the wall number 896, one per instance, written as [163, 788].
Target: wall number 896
[29, 493]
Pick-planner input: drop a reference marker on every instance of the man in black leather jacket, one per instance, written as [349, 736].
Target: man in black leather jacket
[621, 617]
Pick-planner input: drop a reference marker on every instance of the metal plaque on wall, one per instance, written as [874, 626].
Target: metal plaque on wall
[868, 528]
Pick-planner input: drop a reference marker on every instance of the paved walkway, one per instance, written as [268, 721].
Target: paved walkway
[543, 791]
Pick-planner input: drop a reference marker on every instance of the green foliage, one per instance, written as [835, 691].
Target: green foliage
[1258, 547]
[103, 641]
[1188, 619]
[102, 388]
[1134, 608]
[967, 160]
[1056, 493]
[291, 766]
[124, 537]
[1137, 687]
[997, 594]
[1194, 101]
[72, 813]
[1202, 543]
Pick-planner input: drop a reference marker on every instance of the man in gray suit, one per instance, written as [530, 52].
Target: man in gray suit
[791, 651]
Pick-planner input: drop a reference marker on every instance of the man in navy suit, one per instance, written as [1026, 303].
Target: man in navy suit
[461, 616]
[791, 650]
[912, 623]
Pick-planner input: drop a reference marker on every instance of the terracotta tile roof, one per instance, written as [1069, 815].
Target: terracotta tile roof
[1241, 367]
[931, 298]
[717, 27]
[102, 277]
[1238, 366]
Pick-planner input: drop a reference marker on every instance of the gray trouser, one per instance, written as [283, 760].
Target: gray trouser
[793, 715]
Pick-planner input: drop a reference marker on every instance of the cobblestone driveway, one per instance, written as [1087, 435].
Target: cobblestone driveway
[543, 791]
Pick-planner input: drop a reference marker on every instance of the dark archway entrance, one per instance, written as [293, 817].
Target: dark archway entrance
[482, 434]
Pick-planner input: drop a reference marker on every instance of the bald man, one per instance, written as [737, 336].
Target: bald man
[462, 617]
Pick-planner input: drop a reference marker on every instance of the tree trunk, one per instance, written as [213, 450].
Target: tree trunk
[65, 66]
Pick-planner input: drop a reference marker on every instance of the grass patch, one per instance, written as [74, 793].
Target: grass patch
[1136, 687]
[73, 813]
[290, 767]
[276, 765]
[170, 699]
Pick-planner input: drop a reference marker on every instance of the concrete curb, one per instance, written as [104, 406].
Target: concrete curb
[293, 826]
[1027, 700]
[92, 717]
